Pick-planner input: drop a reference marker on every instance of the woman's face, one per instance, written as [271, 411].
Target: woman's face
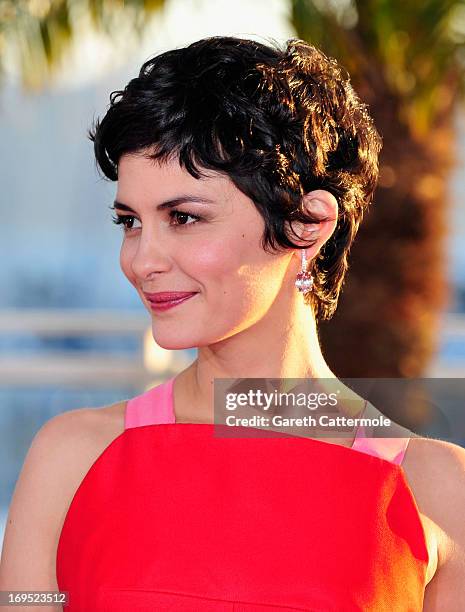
[209, 242]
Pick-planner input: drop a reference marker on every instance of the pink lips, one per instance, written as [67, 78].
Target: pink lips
[167, 299]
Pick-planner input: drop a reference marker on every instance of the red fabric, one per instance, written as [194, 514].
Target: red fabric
[170, 517]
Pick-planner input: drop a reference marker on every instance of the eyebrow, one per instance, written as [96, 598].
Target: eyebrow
[168, 203]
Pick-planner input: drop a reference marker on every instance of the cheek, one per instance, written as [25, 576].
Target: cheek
[215, 259]
[241, 268]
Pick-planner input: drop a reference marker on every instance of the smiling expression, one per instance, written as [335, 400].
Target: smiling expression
[186, 234]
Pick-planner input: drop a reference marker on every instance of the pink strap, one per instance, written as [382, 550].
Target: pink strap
[391, 449]
[155, 407]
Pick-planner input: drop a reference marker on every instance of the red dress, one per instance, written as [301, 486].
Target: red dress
[170, 517]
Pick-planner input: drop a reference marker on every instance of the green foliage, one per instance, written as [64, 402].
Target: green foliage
[35, 34]
[413, 50]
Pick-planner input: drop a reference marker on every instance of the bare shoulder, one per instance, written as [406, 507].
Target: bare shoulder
[436, 472]
[61, 453]
[436, 469]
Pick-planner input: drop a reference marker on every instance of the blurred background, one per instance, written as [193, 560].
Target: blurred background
[72, 330]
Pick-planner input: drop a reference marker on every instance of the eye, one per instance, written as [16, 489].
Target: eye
[180, 214]
[125, 220]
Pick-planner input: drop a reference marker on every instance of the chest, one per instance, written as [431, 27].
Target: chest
[168, 512]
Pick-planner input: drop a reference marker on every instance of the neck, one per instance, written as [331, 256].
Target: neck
[277, 346]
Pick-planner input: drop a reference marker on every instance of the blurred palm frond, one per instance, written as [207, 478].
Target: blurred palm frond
[36, 34]
[413, 50]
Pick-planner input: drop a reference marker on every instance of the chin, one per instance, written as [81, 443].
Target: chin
[188, 335]
[175, 345]
[175, 342]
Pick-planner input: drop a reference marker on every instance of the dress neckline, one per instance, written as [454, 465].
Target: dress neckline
[169, 389]
[156, 407]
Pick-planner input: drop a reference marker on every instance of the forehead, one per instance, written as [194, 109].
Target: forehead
[138, 174]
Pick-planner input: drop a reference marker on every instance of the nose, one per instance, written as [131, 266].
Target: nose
[151, 256]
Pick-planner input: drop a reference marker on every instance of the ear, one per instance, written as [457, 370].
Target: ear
[322, 205]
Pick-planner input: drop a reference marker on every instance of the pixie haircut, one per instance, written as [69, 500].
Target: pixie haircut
[278, 122]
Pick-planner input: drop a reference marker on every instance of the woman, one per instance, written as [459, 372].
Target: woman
[243, 174]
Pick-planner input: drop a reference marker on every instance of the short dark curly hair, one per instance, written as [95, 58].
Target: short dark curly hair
[278, 122]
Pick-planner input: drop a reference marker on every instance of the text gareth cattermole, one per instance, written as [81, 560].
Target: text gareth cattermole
[264, 400]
